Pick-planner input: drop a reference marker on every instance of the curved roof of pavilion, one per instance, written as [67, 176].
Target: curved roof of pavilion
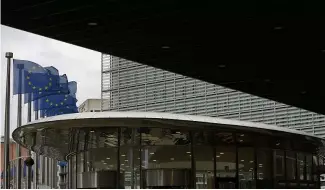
[52, 136]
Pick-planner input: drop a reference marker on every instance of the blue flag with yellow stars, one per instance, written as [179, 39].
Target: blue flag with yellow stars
[59, 111]
[63, 89]
[55, 101]
[29, 77]
[58, 100]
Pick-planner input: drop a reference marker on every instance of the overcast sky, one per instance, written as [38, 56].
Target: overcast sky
[80, 64]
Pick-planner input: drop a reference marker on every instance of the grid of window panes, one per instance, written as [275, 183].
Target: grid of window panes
[213, 158]
[130, 86]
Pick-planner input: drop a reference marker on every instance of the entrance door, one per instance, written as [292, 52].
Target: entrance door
[226, 182]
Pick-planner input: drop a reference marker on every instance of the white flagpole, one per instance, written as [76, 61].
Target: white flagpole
[29, 161]
[36, 166]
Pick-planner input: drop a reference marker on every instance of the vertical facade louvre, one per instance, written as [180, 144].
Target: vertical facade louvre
[131, 86]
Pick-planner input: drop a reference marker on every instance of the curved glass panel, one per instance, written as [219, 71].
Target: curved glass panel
[180, 158]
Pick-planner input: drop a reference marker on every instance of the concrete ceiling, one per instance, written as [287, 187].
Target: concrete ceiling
[270, 48]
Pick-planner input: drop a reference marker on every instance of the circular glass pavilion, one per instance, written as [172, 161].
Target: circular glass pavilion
[160, 150]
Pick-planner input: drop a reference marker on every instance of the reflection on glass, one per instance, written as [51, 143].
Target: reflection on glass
[100, 159]
[130, 166]
[166, 157]
[203, 156]
[301, 166]
[264, 170]
[162, 136]
[246, 165]
[226, 167]
[244, 139]
[279, 165]
[309, 166]
[74, 172]
[291, 165]
[158, 160]
[130, 136]
[315, 167]
[168, 150]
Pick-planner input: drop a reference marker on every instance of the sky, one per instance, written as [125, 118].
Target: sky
[79, 64]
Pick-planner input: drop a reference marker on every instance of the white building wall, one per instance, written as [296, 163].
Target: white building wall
[90, 105]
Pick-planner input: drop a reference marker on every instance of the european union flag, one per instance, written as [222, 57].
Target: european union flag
[59, 111]
[58, 100]
[62, 81]
[63, 89]
[55, 101]
[29, 77]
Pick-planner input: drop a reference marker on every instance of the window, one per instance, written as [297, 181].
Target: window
[246, 167]
[264, 170]
[301, 166]
[279, 165]
[291, 165]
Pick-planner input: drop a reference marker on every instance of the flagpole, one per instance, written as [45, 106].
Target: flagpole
[9, 56]
[19, 117]
[29, 167]
[36, 173]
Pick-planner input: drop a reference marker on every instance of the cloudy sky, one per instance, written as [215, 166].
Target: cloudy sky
[80, 64]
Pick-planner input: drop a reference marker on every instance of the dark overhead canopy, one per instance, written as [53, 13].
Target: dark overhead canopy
[270, 48]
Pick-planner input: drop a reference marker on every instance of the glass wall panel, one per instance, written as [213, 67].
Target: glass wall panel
[264, 168]
[279, 169]
[130, 157]
[291, 165]
[165, 150]
[309, 166]
[315, 167]
[130, 166]
[171, 157]
[245, 139]
[301, 166]
[163, 136]
[226, 167]
[102, 159]
[246, 168]
[203, 157]
[80, 165]
[74, 172]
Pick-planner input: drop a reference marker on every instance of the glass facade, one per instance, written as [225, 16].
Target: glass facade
[193, 158]
[130, 86]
